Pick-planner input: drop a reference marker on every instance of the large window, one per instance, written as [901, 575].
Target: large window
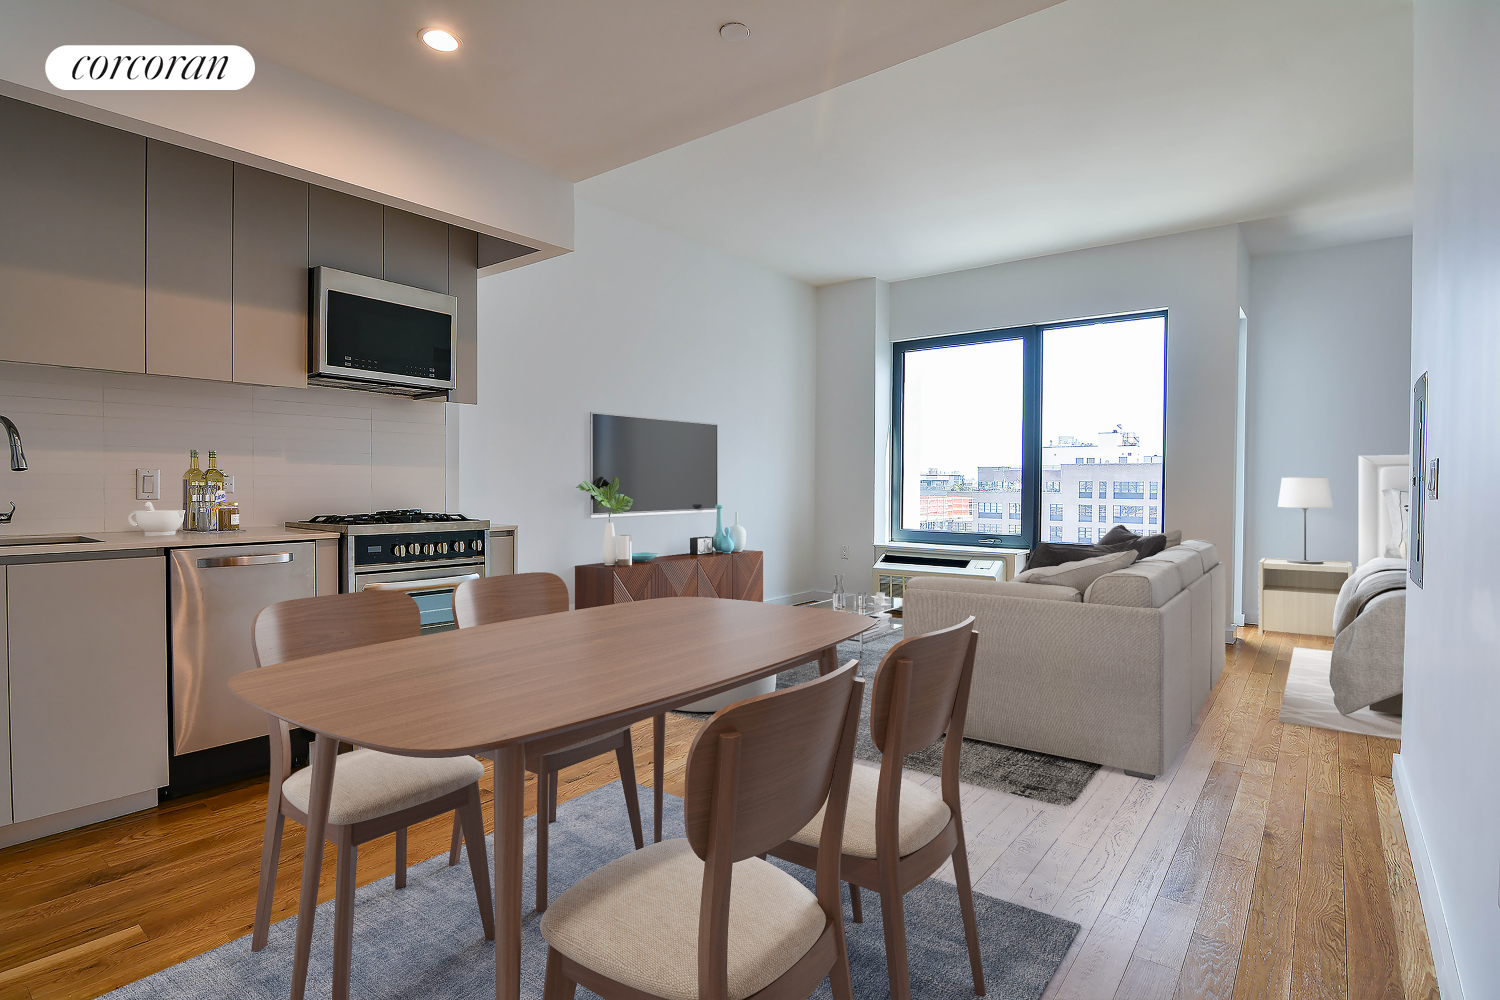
[999, 420]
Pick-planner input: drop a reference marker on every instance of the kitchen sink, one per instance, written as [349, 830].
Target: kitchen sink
[7, 540]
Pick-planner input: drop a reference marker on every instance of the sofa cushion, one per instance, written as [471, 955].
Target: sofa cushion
[1120, 537]
[1189, 564]
[1079, 574]
[995, 588]
[1149, 583]
[1206, 552]
[1174, 538]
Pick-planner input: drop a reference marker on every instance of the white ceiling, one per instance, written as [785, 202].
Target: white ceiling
[1087, 123]
[582, 86]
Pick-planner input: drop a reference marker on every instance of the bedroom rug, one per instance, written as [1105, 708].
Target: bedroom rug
[1309, 700]
[1040, 776]
[425, 940]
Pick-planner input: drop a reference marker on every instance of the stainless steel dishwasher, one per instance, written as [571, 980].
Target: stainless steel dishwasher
[215, 593]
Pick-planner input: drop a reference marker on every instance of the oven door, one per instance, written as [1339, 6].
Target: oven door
[431, 587]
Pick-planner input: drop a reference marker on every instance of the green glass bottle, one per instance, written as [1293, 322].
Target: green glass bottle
[193, 487]
[214, 494]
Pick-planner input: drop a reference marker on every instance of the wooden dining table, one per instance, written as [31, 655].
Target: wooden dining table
[517, 689]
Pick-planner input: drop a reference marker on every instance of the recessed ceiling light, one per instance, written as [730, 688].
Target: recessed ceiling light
[443, 41]
[734, 31]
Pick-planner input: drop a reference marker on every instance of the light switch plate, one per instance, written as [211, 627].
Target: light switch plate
[148, 484]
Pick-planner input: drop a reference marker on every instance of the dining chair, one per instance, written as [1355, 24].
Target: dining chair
[488, 600]
[670, 922]
[897, 832]
[373, 793]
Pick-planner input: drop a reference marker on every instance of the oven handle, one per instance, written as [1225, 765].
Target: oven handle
[441, 583]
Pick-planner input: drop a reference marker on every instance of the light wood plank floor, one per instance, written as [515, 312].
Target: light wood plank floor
[1269, 861]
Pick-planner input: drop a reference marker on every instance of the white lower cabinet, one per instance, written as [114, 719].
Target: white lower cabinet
[87, 645]
[5, 817]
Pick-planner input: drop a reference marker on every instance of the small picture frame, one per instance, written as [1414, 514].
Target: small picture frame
[701, 545]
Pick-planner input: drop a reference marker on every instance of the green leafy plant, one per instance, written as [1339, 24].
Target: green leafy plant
[608, 496]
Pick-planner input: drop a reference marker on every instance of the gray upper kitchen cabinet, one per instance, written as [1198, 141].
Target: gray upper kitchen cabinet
[88, 681]
[344, 232]
[416, 250]
[463, 282]
[270, 278]
[4, 720]
[72, 260]
[189, 263]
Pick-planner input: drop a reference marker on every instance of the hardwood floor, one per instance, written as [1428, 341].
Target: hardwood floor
[1269, 861]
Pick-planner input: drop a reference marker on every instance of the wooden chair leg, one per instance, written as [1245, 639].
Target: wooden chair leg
[893, 915]
[658, 757]
[270, 858]
[343, 912]
[966, 905]
[401, 858]
[458, 839]
[471, 816]
[545, 780]
[854, 903]
[625, 758]
[557, 986]
[552, 783]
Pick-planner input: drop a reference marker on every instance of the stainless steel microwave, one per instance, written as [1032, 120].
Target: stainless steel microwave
[380, 336]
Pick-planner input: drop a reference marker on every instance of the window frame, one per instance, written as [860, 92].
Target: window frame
[1032, 499]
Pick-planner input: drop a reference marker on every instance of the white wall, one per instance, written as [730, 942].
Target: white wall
[853, 414]
[1194, 276]
[293, 452]
[642, 323]
[1330, 346]
[1450, 739]
[291, 124]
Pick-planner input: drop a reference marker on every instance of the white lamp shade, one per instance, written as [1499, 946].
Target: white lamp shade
[1305, 492]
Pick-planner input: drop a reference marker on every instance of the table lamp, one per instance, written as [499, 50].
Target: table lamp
[1305, 493]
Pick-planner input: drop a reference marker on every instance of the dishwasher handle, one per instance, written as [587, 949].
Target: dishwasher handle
[264, 559]
[441, 583]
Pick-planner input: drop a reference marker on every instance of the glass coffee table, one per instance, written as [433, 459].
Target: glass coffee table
[883, 621]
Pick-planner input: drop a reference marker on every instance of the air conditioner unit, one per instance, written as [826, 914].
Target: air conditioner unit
[895, 568]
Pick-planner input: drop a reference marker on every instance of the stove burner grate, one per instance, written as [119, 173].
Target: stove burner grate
[387, 517]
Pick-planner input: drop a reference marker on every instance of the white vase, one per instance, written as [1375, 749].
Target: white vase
[609, 543]
[737, 533]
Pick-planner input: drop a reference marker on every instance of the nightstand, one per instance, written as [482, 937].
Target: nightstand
[1299, 597]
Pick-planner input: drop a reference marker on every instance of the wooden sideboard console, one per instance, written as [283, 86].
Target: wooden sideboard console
[736, 575]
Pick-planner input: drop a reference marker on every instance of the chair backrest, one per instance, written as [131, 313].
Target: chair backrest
[758, 772]
[922, 676]
[310, 626]
[493, 599]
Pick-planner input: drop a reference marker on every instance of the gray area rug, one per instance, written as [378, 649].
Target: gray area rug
[426, 940]
[1040, 776]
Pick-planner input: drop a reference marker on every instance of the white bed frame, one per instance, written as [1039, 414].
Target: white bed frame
[1377, 473]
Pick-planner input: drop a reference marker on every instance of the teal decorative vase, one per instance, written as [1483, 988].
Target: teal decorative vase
[722, 541]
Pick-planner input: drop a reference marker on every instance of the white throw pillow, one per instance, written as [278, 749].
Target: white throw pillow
[1079, 574]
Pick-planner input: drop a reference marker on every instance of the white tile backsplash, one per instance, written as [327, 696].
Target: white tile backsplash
[293, 452]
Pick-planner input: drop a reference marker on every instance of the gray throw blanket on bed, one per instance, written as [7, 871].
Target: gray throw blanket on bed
[1369, 623]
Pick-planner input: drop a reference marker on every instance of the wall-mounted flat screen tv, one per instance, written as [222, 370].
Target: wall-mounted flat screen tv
[663, 465]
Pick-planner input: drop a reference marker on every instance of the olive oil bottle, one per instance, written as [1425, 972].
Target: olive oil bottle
[194, 486]
[214, 494]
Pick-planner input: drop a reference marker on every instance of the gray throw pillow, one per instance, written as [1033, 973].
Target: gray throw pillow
[1080, 573]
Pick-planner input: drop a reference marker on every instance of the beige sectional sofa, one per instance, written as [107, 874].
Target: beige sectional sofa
[1114, 674]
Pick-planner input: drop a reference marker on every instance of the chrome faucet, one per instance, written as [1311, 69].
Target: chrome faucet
[17, 453]
[17, 461]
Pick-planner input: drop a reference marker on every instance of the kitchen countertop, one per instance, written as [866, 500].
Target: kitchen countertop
[112, 544]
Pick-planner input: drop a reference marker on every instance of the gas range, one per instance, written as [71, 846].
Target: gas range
[420, 553]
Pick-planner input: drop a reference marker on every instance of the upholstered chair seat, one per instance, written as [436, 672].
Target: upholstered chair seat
[923, 816]
[368, 783]
[636, 921]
